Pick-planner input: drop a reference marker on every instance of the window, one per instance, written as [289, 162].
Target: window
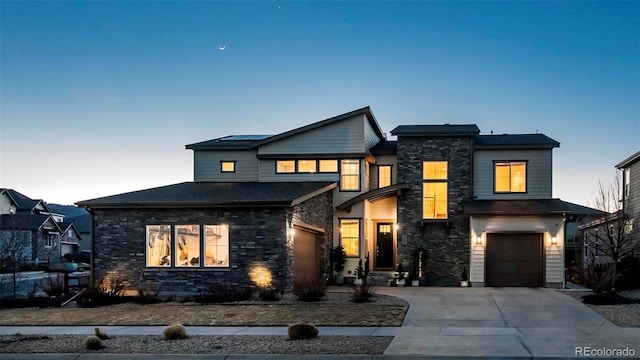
[384, 175]
[328, 166]
[227, 166]
[306, 166]
[627, 183]
[70, 233]
[50, 240]
[187, 242]
[350, 175]
[350, 236]
[158, 245]
[216, 246]
[285, 166]
[187, 245]
[434, 189]
[510, 177]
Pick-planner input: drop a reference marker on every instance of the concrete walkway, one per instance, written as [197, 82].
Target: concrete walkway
[440, 323]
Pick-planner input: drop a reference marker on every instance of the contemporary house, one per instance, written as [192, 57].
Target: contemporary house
[270, 207]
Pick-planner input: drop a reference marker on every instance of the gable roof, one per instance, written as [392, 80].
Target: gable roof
[629, 161]
[515, 141]
[66, 225]
[212, 194]
[436, 130]
[25, 221]
[22, 202]
[366, 111]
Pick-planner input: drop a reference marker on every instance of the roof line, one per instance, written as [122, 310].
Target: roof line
[628, 161]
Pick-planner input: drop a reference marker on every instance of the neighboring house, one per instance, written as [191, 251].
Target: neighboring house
[271, 206]
[621, 224]
[23, 215]
[574, 244]
[40, 233]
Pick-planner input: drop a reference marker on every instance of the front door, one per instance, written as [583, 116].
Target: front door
[384, 246]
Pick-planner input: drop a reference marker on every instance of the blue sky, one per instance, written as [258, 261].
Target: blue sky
[99, 98]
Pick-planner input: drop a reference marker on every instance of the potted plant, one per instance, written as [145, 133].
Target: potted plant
[359, 273]
[401, 277]
[464, 278]
[339, 258]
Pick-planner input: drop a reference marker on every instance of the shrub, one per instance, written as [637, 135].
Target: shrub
[175, 332]
[268, 293]
[54, 286]
[93, 343]
[302, 331]
[308, 291]
[112, 285]
[362, 293]
[220, 293]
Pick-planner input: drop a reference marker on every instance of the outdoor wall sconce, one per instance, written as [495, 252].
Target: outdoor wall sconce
[396, 227]
[292, 231]
[479, 240]
[554, 240]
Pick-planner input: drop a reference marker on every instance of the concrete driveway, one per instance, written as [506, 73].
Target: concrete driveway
[513, 322]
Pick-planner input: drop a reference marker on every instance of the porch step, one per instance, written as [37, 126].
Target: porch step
[380, 277]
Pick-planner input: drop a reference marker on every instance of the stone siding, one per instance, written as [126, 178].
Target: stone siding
[255, 235]
[447, 241]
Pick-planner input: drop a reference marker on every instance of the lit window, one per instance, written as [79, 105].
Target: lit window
[306, 166]
[350, 175]
[228, 166]
[158, 245]
[187, 245]
[434, 190]
[328, 166]
[384, 175]
[216, 248]
[285, 166]
[350, 236]
[511, 177]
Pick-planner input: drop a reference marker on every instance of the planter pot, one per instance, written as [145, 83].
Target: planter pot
[464, 283]
[338, 280]
[415, 282]
[401, 282]
[357, 281]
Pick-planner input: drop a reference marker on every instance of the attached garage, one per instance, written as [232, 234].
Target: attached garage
[306, 256]
[514, 259]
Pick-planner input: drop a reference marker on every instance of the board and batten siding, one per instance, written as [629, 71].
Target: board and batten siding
[206, 166]
[539, 173]
[347, 136]
[548, 226]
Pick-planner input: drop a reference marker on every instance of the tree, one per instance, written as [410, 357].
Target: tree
[15, 248]
[616, 235]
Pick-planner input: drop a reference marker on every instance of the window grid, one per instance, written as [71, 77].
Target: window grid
[185, 245]
[350, 175]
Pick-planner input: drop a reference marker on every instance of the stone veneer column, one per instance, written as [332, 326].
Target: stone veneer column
[447, 241]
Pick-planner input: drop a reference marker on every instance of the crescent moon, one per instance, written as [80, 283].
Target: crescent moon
[221, 48]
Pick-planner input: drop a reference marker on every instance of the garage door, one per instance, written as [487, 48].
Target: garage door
[306, 257]
[514, 259]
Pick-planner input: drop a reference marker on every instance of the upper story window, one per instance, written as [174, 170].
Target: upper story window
[350, 236]
[307, 166]
[350, 175]
[627, 183]
[285, 166]
[228, 166]
[328, 166]
[510, 176]
[70, 233]
[50, 240]
[384, 176]
[434, 189]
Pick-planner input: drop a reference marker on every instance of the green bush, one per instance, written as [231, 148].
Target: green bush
[268, 293]
[362, 293]
[175, 332]
[308, 291]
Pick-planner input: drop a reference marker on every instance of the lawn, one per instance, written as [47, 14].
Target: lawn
[336, 310]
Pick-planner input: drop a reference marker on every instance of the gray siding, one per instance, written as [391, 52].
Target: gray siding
[370, 136]
[539, 173]
[342, 137]
[206, 166]
[633, 203]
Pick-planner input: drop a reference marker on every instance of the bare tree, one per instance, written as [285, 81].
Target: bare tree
[616, 235]
[15, 249]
